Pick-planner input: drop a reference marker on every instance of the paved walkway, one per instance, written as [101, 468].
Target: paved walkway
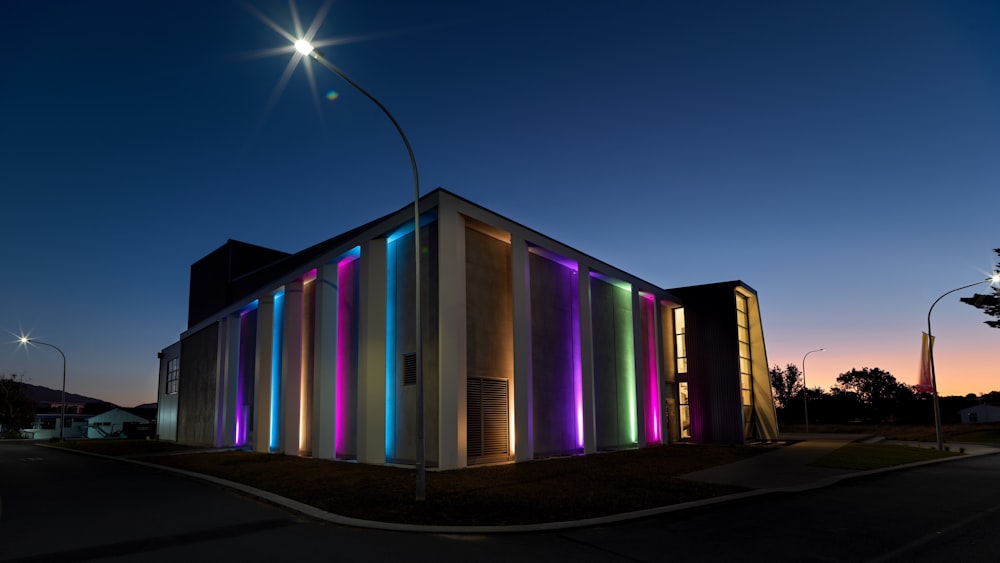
[786, 468]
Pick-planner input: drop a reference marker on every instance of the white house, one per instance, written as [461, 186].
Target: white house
[111, 423]
[980, 413]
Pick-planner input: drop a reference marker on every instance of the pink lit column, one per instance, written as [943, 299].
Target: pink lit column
[639, 350]
[586, 337]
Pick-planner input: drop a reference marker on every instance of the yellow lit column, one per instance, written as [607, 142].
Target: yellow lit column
[452, 399]
[291, 368]
[521, 298]
[371, 353]
[325, 363]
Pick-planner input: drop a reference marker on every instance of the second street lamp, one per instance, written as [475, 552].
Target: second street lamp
[304, 47]
[993, 280]
[62, 422]
[805, 389]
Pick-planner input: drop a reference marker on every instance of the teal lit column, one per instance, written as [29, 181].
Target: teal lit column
[262, 375]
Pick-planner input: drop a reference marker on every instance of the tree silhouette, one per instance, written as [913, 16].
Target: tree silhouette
[17, 410]
[990, 304]
[786, 384]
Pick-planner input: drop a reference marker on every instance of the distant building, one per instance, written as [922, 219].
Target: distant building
[530, 348]
[980, 413]
[114, 424]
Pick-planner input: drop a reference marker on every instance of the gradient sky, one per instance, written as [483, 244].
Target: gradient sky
[841, 157]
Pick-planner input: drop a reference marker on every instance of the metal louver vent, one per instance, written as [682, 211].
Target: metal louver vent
[409, 369]
[487, 419]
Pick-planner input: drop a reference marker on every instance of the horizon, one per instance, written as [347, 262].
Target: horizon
[838, 157]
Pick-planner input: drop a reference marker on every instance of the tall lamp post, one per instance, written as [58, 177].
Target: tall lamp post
[805, 389]
[304, 47]
[993, 280]
[62, 422]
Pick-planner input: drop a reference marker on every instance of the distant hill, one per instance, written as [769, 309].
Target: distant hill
[41, 394]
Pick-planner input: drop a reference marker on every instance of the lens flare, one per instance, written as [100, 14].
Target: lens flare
[332, 95]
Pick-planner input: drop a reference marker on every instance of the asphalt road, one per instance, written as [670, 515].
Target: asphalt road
[60, 506]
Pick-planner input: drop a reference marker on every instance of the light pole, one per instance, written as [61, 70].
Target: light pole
[62, 422]
[805, 389]
[304, 47]
[993, 280]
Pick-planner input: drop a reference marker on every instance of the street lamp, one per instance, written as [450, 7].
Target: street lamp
[304, 47]
[992, 280]
[805, 389]
[62, 422]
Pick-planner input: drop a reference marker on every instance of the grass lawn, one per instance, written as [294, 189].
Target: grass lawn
[550, 490]
[862, 456]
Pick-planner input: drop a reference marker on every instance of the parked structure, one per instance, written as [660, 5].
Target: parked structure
[980, 413]
[115, 423]
[530, 348]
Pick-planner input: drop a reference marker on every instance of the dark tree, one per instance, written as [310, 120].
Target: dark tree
[990, 304]
[17, 410]
[786, 384]
[879, 394]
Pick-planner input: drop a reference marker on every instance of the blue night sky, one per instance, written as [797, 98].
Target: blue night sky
[841, 157]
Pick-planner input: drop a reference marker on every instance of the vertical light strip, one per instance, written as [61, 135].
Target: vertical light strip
[652, 373]
[345, 336]
[390, 350]
[276, 342]
[241, 367]
[577, 363]
[626, 347]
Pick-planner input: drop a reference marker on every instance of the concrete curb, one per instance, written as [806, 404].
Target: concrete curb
[315, 513]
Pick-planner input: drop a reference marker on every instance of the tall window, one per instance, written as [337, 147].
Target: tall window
[173, 373]
[743, 326]
[680, 345]
[685, 409]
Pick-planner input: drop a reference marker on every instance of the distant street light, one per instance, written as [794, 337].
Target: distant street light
[805, 389]
[992, 280]
[304, 47]
[62, 422]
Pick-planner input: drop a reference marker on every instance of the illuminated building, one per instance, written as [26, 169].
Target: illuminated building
[530, 349]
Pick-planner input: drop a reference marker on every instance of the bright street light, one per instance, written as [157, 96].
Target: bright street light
[993, 280]
[304, 47]
[805, 389]
[62, 423]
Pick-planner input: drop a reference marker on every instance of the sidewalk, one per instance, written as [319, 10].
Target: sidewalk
[787, 468]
